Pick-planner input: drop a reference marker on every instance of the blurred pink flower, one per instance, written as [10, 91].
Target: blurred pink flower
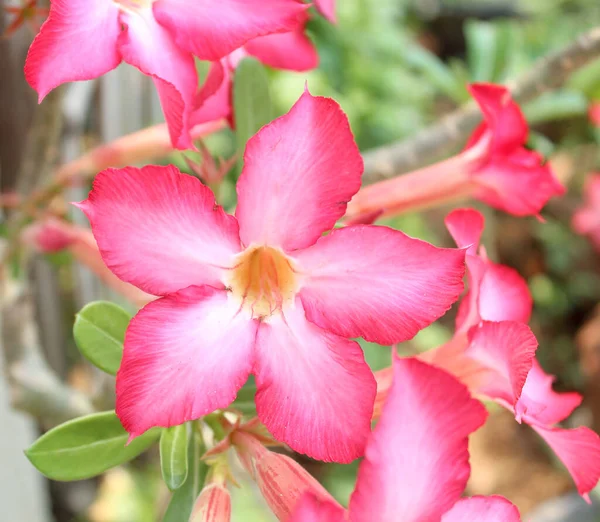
[84, 40]
[495, 168]
[265, 292]
[586, 220]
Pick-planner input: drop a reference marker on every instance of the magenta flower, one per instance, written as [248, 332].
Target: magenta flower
[291, 51]
[82, 40]
[327, 9]
[586, 220]
[416, 464]
[495, 168]
[264, 292]
[493, 353]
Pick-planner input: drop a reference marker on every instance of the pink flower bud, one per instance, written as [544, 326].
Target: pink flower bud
[213, 505]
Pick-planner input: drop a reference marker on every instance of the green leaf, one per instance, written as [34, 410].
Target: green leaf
[174, 455]
[557, 105]
[99, 331]
[85, 447]
[183, 499]
[251, 102]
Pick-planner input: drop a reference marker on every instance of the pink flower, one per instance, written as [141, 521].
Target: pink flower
[416, 464]
[82, 40]
[594, 113]
[264, 292]
[213, 504]
[495, 168]
[586, 220]
[327, 9]
[291, 51]
[493, 353]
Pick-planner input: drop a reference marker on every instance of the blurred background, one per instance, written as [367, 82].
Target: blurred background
[395, 66]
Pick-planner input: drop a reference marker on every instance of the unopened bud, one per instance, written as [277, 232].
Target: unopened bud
[213, 505]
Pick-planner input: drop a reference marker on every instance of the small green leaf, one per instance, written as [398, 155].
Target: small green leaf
[99, 331]
[174, 455]
[251, 102]
[85, 447]
[183, 499]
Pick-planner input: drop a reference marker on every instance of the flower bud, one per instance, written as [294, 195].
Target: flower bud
[213, 505]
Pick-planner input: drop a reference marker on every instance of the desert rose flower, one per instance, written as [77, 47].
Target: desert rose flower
[265, 292]
[495, 168]
[493, 353]
[416, 464]
[586, 220]
[84, 40]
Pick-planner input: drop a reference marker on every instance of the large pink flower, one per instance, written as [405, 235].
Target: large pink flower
[493, 353]
[416, 463]
[265, 292]
[586, 219]
[495, 168]
[84, 39]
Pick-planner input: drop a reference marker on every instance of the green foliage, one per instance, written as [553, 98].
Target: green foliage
[182, 501]
[85, 447]
[99, 332]
[174, 455]
[251, 102]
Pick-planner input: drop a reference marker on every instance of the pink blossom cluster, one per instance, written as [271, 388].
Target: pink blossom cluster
[276, 291]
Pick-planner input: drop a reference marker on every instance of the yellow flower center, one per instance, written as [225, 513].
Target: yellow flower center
[264, 280]
[133, 5]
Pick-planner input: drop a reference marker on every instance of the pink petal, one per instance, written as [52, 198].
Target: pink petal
[378, 283]
[299, 173]
[311, 509]
[507, 349]
[504, 295]
[579, 450]
[159, 229]
[483, 509]
[325, 418]
[468, 310]
[185, 355]
[78, 41]
[465, 226]
[327, 9]
[517, 182]
[211, 30]
[214, 101]
[148, 46]
[416, 465]
[292, 51]
[503, 117]
[540, 404]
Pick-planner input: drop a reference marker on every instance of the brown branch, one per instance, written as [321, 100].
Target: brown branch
[450, 132]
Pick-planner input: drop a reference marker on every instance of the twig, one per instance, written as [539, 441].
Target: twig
[431, 143]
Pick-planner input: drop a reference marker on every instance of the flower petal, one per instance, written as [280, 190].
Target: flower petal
[579, 451]
[311, 509]
[159, 229]
[378, 283]
[185, 355]
[148, 46]
[465, 226]
[292, 51]
[299, 173]
[518, 183]
[327, 419]
[416, 464]
[214, 102]
[483, 509]
[78, 41]
[327, 9]
[212, 30]
[540, 404]
[507, 349]
[504, 295]
[503, 117]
